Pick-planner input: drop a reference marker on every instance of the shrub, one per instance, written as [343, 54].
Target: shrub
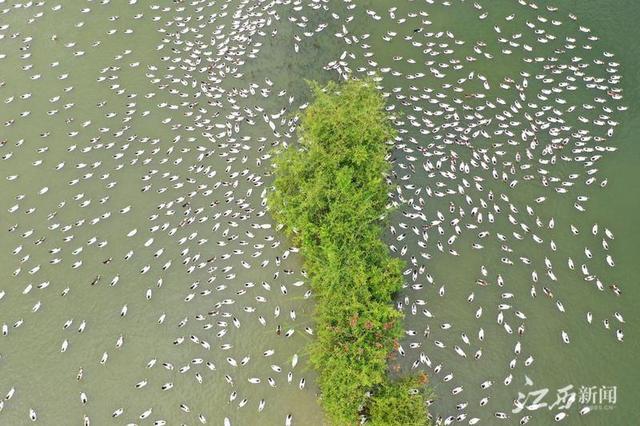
[331, 195]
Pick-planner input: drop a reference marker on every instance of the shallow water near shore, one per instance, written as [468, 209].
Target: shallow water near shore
[154, 148]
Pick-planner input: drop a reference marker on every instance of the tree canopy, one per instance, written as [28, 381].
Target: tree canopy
[330, 193]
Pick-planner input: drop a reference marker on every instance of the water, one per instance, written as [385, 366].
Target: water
[161, 127]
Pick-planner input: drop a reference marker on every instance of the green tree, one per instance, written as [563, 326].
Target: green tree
[330, 193]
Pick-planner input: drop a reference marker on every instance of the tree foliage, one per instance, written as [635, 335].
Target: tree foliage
[400, 402]
[330, 193]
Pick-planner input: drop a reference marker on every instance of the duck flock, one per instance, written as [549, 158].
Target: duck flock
[143, 275]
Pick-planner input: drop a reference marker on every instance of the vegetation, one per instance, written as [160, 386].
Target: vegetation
[331, 195]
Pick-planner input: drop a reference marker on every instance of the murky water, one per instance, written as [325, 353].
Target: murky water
[138, 182]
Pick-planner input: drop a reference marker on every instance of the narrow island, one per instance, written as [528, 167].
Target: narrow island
[330, 193]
